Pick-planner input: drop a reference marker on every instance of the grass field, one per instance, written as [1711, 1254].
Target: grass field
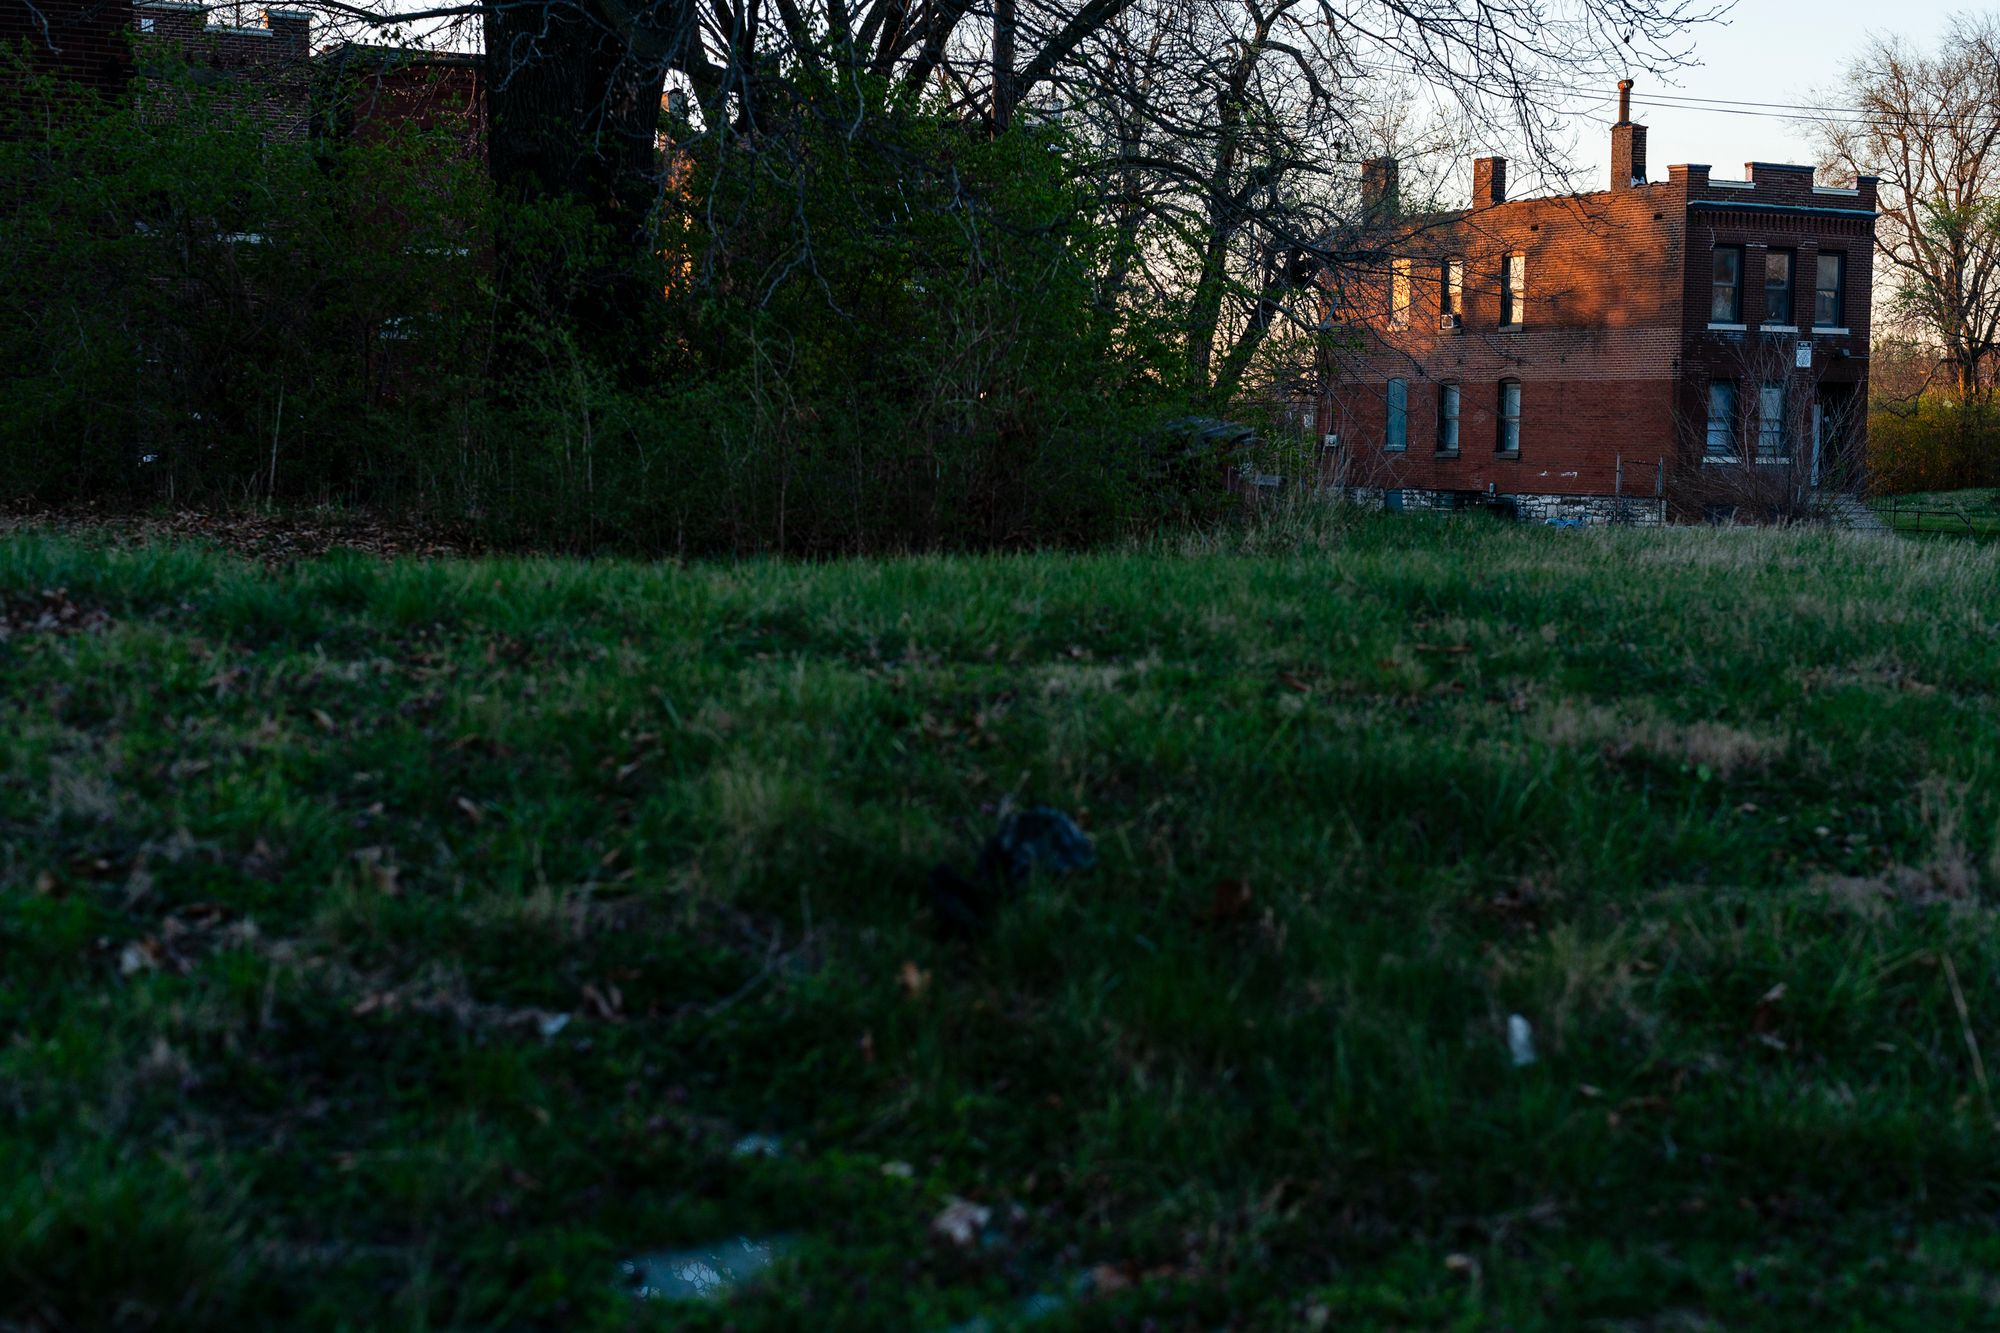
[403, 945]
[1974, 512]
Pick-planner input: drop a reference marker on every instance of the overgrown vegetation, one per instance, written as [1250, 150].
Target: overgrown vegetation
[302, 864]
[893, 340]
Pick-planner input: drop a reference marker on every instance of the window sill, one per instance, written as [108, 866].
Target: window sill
[1720, 458]
[1446, 453]
[1726, 328]
[1774, 462]
[1506, 455]
[1779, 328]
[1827, 330]
[1394, 449]
[1507, 328]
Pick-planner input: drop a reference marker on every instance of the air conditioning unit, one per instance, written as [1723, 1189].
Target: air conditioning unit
[1448, 322]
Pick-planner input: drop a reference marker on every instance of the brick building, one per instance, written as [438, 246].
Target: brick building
[1660, 347]
[370, 90]
[264, 71]
[82, 42]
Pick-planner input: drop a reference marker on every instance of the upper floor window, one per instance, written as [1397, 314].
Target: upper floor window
[1448, 398]
[1451, 289]
[1513, 282]
[1771, 424]
[1399, 293]
[1396, 424]
[1509, 438]
[1725, 305]
[1778, 287]
[1830, 291]
[1721, 420]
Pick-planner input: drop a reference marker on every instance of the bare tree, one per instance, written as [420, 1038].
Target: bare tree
[1928, 124]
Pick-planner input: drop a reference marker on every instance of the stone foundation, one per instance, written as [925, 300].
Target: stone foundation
[1529, 508]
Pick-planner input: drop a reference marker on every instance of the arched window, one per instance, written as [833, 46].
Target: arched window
[1509, 441]
[1396, 427]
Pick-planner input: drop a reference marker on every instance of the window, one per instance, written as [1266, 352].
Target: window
[1399, 293]
[1509, 441]
[1725, 304]
[1447, 418]
[1396, 428]
[1771, 424]
[1778, 287]
[1830, 291]
[1722, 419]
[1513, 280]
[1451, 287]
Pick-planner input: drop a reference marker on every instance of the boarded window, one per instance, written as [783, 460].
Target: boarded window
[1447, 418]
[1830, 291]
[1722, 419]
[1513, 285]
[1725, 304]
[1396, 430]
[1771, 434]
[1509, 437]
[1399, 293]
[1778, 287]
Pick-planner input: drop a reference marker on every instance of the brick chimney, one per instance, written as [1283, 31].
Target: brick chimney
[1378, 188]
[1628, 144]
[292, 27]
[1489, 181]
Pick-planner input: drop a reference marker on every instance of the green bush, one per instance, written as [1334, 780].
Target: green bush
[1934, 443]
[876, 330]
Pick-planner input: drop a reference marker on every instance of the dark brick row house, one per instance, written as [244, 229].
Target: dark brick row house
[160, 53]
[1662, 347]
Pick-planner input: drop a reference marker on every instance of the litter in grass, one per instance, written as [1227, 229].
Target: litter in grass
[704, 1273]
[961, 1221]
[1038, 838]
[1520, 1040]
[1038, 1306]
[552, 1025]
[758, 1145]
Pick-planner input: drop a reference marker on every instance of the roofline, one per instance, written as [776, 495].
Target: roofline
[1814, 210]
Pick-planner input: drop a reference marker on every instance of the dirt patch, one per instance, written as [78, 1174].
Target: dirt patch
[51, 611]
[272, 537]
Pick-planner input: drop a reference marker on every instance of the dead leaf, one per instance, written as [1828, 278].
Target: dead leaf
[868, 1048]
[1107, 1278]
[914, 980]
[471, 811]
[1229, 901]
[323, 718]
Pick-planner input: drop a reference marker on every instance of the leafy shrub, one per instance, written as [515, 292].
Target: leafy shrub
[1935, 443]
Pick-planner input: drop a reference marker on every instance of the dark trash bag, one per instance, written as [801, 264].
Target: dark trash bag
[1039, 838]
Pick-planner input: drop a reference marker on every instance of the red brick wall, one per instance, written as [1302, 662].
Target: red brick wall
[380, 89]
[83, 41]
[1595, 353]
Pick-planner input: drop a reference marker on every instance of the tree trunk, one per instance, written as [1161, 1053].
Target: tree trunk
[573, 108]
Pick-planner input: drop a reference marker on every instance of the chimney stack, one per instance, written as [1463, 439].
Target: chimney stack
[1628, 144]
[1489, 181]
[1378, 188]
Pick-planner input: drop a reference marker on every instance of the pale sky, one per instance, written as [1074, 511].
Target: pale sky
[1765, 51]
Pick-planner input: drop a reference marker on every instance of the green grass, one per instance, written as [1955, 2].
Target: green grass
[1974, 512]
[296, 866]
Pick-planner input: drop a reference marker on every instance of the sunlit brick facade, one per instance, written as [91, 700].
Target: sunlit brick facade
[1605, 354]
